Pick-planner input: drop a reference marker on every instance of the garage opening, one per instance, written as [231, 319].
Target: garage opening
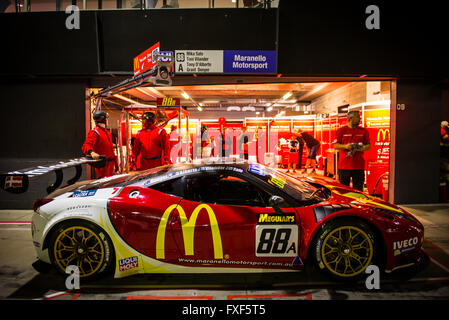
[255, 122]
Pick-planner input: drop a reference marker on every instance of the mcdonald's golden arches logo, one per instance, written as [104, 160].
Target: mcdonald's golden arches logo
[384, 133]
[188, 230]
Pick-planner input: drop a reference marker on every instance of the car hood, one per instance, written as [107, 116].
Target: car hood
[341, 194]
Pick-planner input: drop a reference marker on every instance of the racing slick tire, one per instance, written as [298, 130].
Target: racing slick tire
[84, 245]
[344, 248]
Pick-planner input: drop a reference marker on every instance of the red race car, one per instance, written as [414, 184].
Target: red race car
[221, 218]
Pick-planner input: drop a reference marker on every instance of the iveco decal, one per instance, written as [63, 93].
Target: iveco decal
[188, 230]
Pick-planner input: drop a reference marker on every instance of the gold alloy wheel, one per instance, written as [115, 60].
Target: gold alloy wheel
[81, 247]
[347, 251]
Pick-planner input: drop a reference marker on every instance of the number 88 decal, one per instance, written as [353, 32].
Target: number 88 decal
[276, 241]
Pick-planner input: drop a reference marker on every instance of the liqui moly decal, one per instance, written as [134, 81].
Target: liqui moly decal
[128, 263]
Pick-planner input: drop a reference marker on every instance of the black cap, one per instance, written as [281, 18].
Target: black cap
[100, 116]
[148, 116]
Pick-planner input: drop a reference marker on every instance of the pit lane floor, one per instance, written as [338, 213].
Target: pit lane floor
[19, 280]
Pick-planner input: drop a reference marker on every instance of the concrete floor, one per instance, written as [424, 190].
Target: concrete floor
[19, 280]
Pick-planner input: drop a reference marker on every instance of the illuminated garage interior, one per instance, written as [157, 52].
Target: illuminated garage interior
[319, 108]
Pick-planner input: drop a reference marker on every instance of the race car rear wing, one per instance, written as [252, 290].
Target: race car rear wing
[18, 181]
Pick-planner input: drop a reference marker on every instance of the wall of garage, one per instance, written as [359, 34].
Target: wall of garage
[353, 93]
[414, 161]
[41, 122]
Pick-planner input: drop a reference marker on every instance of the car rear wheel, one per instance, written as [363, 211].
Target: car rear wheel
[84, 245]
[345, 248]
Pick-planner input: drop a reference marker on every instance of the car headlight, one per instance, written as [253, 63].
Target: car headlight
[402, 215]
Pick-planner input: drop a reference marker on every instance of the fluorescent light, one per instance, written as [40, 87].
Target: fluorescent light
[269, 108]
[287, 95]
[199, 108]
[125, 98]
[185, 95]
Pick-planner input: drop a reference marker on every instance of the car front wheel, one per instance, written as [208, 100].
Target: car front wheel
[345, 248]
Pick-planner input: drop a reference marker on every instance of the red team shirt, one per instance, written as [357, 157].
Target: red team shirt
[99, 140]
[152, 144]
[347, 135]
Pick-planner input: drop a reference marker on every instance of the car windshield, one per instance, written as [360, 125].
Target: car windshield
[295, 188]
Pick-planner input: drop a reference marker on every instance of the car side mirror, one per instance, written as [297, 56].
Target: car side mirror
[275, 202]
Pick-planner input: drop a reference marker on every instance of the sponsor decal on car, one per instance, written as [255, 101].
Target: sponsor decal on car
[278, 182]
[276, 218]
[188, 230]
[257, 169]
[404, 245]
[79, 207]
[85, 193]
[13, 182]
[128, 263]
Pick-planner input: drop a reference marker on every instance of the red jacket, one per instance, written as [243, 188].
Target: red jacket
[99, 140]
[152, 142]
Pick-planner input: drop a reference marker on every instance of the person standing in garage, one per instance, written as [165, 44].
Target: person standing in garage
[313, 145]
[99, 143]
[243, 142]
[151, 143]
[352, 140]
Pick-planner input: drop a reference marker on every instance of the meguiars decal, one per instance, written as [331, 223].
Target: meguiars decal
[275, 218]
[188, 230]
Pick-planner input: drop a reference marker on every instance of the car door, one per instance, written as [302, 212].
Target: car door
[225, 221]
[138, 215]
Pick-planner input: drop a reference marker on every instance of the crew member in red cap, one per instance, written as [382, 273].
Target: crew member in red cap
[151, 143]
[352, 141]
[99, 143]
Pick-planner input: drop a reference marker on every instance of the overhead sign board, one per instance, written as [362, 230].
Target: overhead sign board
[198, 61]
[168, 102]
[146, 60]
[249, 61]
[224, 61]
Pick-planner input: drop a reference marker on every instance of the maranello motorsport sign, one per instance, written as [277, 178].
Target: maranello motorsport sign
[224, 61]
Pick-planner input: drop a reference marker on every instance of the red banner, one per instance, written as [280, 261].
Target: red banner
[146, 60]
[377, 122]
